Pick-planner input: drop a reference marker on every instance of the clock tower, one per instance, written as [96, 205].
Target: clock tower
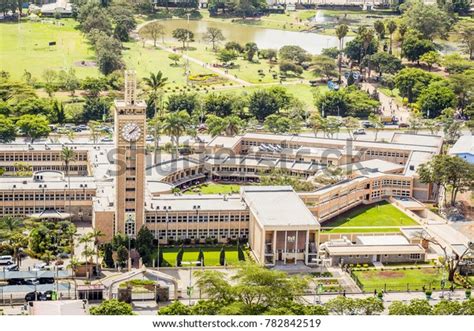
[130, 144]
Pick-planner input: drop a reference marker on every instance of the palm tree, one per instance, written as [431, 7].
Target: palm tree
[95, 235]
[155, 82]
[86, 240]
[155, 127]
[402, 30]
[391, 27]
[367, 36]
[233, 124]
[95, 131]
[68, 155]
[341, 33]
[73, 265]
[175, 125]
[377, 123]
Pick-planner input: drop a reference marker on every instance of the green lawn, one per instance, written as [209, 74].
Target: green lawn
[24, 46]
[397, 279]
[381, 215]
[211, 255]
[213, 188]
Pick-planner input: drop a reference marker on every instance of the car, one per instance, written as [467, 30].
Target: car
[48, 295]
[106, 140]
[359, 132]
[39, 266]
[403, 125]
[16, 281]
[46, 280]
[6, 260]
[367, 124]
[64, 255]
[12, 267]
[32, 281]
[150, 138]
[35, 296]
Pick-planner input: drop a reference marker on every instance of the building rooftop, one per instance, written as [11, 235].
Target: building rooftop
[278, 206]
[46, 179]
[464, 145]
[382, 240]
[373, 165]
[374, 249]
[207, 202]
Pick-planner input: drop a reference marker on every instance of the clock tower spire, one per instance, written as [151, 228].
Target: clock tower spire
[130, 145]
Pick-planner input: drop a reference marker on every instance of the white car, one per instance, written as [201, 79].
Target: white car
[6, 260]
[39, 266]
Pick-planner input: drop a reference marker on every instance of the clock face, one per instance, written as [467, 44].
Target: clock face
[131, 132]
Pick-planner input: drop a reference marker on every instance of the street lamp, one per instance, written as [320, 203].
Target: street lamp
[189, 290]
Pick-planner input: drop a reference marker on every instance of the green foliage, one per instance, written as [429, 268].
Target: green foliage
[183, 35]
[112, 307]
[263, 103]
[294, 54]
[322, 65]
[176, 308]
[179, 256]
[34, 126]
[414, 307]
[227, 55]
[414, 47]
[95, 109]
[286, 66]
[222, 256]
[357, 48]
[384, 63]
[122, 256]
[241, 253]
[435, 98]
[411, 81]
[278, 177]
[347, 102]
[108, 255]
[429, 20]
[7, 130]
[455, 63]
[183, 101]
[144, 245]
[201, 257]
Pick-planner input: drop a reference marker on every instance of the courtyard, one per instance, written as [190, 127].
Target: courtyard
[379, 217]
[211, 255]
[214, 188]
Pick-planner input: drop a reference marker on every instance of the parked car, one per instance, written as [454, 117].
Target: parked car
[359, 132]
[39, 266]
[403, 125]
[106, 140]
[64, 255]
[6, 260]
[367, 124]
[16, 281]
[35, 296]
[32, 281]
[46, 280]
[12, 267]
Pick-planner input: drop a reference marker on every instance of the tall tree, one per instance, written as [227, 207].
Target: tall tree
[214, 36]
[391, 27]
[153, 30]
[341, 33]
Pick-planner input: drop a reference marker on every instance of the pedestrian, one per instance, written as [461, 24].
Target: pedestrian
[375, 292]
[344, 293]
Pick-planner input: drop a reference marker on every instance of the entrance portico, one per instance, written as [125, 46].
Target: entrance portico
[282, 229]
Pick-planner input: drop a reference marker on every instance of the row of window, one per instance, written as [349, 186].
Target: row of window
[47, 196]
[154, 218]
[72, 168]
[54, 156]
[385, 153]
[32, 210]
[201, 234]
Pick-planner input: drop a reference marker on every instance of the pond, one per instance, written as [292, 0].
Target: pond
[263, 37]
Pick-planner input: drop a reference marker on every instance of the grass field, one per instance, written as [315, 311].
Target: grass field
[24, 46]
[213, 188]
[397, 279]
[377, 217]
[211, 255]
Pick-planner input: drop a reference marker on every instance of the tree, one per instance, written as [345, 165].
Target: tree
[445, 307]
[429, 20]
[34, 126]
[448, 171]
[466, 32]
[377, 124]
[144, 244]
[323, 66]
[266, 102]
[67, 156]
[250, 50]
[108, 255]
[276, 123]
[360, 46]
[183, 101]
[176, 308]
[430, 58]
[175, 124]
[160, 258]
[240, 252]
[414, 47]
[175, 58]
[385, 63]
[369, 306]
[68, 80]
[379, 28]
[213, 36]
[411, 81]
[391, 27]
[341, 33]
[112, 307]
[108, 52]
[294, 54]
[463, 84]
[351, 123]
[201, 257]
[153, 30]
[402, 30]
[227, 55]
[95, 109]
[155, 83]
[122, 256]
[233, 45]
[455, 63]
[222, 256]
[348, 101]
[183, 35]
[286, 66]
[342, 305]
[7, 130]
[414, 307]
[435, 98]
[179, 256]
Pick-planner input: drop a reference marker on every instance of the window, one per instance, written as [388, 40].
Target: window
[415, 256]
